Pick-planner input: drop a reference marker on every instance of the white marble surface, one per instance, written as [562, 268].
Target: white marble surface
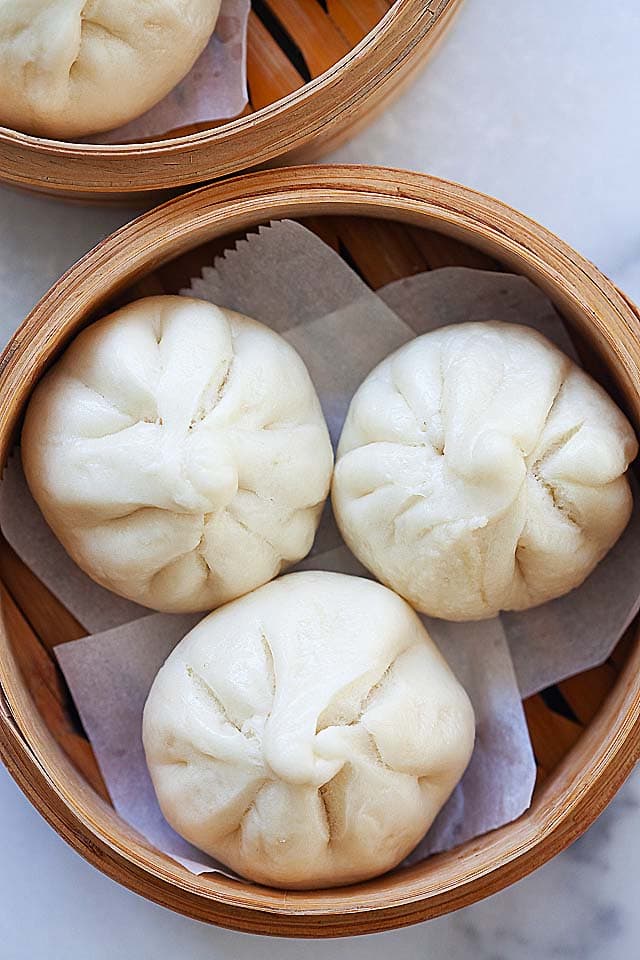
[534, 102]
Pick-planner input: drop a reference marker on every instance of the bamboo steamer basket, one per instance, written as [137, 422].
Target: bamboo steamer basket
[317, 71]
[388, 224]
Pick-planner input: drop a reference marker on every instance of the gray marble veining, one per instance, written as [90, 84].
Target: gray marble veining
[581, 905]
[536, 102]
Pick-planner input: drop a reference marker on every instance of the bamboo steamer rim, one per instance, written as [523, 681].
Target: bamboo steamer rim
[326, 110]
[575, 793]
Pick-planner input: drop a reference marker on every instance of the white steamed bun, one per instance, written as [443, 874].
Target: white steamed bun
[179, 453]
[481, 470]
[307, 734]
[74, 67]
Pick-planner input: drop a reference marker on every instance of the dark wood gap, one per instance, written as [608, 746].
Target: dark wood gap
[555, 700]
[270, 73]
[282, 37]
[383, 250]
[348, 258]
[439, 251]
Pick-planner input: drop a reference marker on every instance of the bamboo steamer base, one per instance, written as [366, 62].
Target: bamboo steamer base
[317, 71]
[585, 731]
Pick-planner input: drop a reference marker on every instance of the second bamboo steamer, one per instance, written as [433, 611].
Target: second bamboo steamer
[317, 71]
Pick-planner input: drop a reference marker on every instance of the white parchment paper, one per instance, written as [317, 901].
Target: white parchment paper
[289, 279]
[214, 89]
[498, 783]
[110, 675]
[26, 530]
[578, 631]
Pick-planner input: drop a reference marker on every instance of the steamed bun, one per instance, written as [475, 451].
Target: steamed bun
[179, 453]
[69, 68]
[481, 470]
[307, 734]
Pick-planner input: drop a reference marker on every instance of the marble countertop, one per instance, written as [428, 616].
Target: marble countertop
[536, 103]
